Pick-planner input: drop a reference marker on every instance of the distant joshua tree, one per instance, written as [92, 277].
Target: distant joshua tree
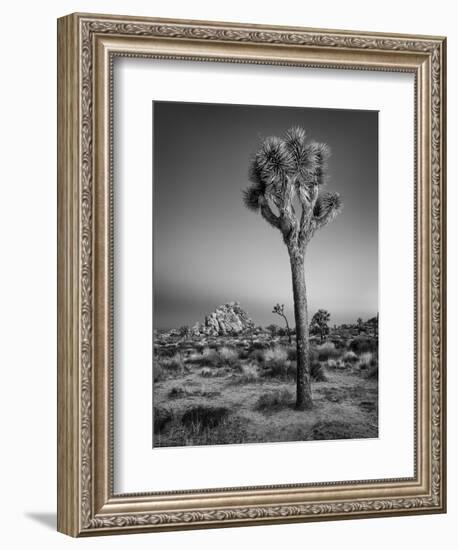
[184, 331]
[319, 324]
[280, 310]
[374, 324]
[286, 175]
[360, 325]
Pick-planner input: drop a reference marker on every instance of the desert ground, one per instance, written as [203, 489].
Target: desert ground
[241, 389]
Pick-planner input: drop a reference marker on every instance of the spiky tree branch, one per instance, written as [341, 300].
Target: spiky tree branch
[268, 215]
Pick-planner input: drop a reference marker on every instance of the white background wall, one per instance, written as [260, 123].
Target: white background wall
[28, 273]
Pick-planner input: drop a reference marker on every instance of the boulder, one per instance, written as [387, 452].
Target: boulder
[227, 319]
[196, 329]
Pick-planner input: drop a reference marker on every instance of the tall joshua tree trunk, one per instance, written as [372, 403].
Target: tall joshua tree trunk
[304, 394]
[282, 170]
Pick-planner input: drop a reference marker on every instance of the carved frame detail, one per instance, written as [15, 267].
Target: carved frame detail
[86, 502]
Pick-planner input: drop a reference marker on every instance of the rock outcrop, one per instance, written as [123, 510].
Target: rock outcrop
[227, 319]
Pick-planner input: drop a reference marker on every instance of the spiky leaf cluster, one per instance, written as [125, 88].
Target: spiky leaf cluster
[252, 197]
[274, 162]
[289, 159]
[279, 309]
[326, 204]
[285, 168]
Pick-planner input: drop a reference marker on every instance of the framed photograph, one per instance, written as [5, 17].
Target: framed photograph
[251, 290]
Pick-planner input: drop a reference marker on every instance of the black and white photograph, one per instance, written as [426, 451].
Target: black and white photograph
[265, 274]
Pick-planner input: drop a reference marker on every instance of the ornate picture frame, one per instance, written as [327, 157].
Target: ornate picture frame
[87, 45]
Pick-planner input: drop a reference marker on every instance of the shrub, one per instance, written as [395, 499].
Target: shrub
[209, 357]
[158, 372]
[292, 353]
[161, 417]
[228, 356]
[207, 393]
[341, 430]
[202, 417]
[363, 344]
[168, 351]
[248, 373]
[194, 358]
[257, 355]
[274, 400]
[277, 354]
[244, 354]
[350, 357]
[273, 329]
[284, 371]
[206, 372]
[338, 343]
[277, 365]
[257, 344]
[372, 373]
[366, 360]
[230, 430]
[317, 372]
[172, 365]
[224, 357]
[327, 351]
[177, 392]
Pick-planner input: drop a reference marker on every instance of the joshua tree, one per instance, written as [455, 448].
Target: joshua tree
[320, 322]
[286, 175]
[359, 323]
[374, 324]
[184, 331]
[280, 310]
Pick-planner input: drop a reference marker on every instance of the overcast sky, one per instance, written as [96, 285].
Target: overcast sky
[209, 249]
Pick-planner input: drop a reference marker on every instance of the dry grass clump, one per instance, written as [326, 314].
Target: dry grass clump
[259, 345]
[247, 374]
[176, 392]
[327, 351]
[224, 357]
[208, 372]
[195, 358]
[317, 372]
[367, 360]
[172, 365]
[209, 357]
[372, 371]
[228, 356]
[257, 355]
[341, 430]
[275, 355]
[277, 365]
[274, 400]
[230, 430]
[363, 344]
[161, 417]
[350, 357]
[158, 372]
[202, 416]
[292, 353]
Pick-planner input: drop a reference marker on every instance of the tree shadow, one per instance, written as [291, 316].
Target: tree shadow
[47, 519]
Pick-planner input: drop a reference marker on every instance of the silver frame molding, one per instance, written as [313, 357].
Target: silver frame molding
[87, 45]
